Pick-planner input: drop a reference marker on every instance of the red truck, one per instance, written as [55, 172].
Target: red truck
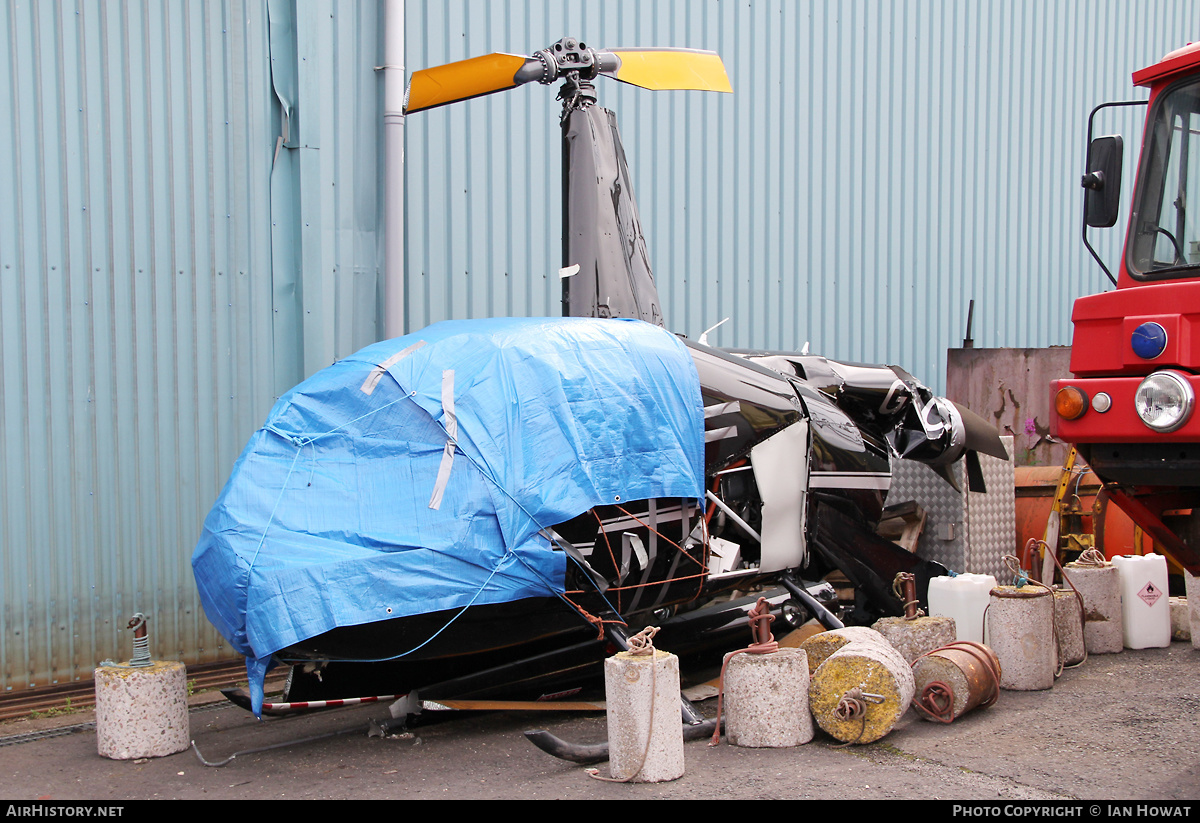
[1130, 408]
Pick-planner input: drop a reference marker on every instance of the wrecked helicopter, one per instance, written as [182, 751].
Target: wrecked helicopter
[485, 507]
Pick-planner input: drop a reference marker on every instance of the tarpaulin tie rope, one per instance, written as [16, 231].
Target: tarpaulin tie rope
[300, 443]
[232, 757]
[592, 619]
[678, 547]
[431, 637]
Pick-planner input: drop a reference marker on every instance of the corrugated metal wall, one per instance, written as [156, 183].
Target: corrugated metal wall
[148, 317]
[168, 266]
[879, 164]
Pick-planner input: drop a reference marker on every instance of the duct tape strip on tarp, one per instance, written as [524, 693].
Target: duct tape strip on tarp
[450, 423]
[327, 519]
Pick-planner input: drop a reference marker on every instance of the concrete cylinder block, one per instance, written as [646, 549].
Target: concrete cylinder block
[141, 712]
[878, 673]
[645, 732]
[1069, 627]
[1021, 627]
[1100, 587]
[913, 638]
[820, 646]
[766, 700]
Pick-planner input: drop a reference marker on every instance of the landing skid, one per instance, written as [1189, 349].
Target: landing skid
[242, 700]
[587, 753]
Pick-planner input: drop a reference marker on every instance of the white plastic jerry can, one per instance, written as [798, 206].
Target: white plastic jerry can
[965, 598]
[1145, 611]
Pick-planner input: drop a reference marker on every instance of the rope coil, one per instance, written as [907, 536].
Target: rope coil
[642, 643]
[854, 703]
[937, 698]
[1091, 557]
[141, 646]
[852, 706]
[904, 586]
[937, 702]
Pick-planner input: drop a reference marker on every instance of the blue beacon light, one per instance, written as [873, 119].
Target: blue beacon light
[1149, 340]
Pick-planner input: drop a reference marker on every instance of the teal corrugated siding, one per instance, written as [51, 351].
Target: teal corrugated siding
[879, 165]
[168, 266]
[139, 309]
[133, 286]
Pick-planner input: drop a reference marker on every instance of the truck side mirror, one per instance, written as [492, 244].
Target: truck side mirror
[1103, 181]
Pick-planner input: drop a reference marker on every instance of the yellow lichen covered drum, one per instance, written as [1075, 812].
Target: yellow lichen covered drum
[861, 691]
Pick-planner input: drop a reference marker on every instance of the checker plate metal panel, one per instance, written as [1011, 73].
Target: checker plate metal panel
[965, 531]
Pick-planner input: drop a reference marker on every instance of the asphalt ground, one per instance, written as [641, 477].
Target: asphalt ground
[1123, 727]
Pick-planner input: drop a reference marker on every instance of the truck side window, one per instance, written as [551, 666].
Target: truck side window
[1166, 232]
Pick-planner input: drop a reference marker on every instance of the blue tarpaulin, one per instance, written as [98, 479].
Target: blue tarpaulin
[414, 476]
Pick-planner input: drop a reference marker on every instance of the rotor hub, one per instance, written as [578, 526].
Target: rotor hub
[566, 57]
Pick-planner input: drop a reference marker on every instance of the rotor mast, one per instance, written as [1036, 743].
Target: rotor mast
[606, 269]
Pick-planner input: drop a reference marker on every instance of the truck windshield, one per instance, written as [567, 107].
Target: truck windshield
[1165, 233]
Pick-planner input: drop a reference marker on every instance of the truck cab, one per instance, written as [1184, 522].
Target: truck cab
[1130, 407]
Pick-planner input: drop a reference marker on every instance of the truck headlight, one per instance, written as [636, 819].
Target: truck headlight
[1164, 401]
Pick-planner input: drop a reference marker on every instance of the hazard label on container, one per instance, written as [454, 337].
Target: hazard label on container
[1150, 593]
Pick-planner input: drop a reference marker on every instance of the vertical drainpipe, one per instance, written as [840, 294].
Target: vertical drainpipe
[393, 130]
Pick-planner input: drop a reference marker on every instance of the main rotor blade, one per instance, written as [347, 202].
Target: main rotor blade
[465, 79]
[661, 69]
